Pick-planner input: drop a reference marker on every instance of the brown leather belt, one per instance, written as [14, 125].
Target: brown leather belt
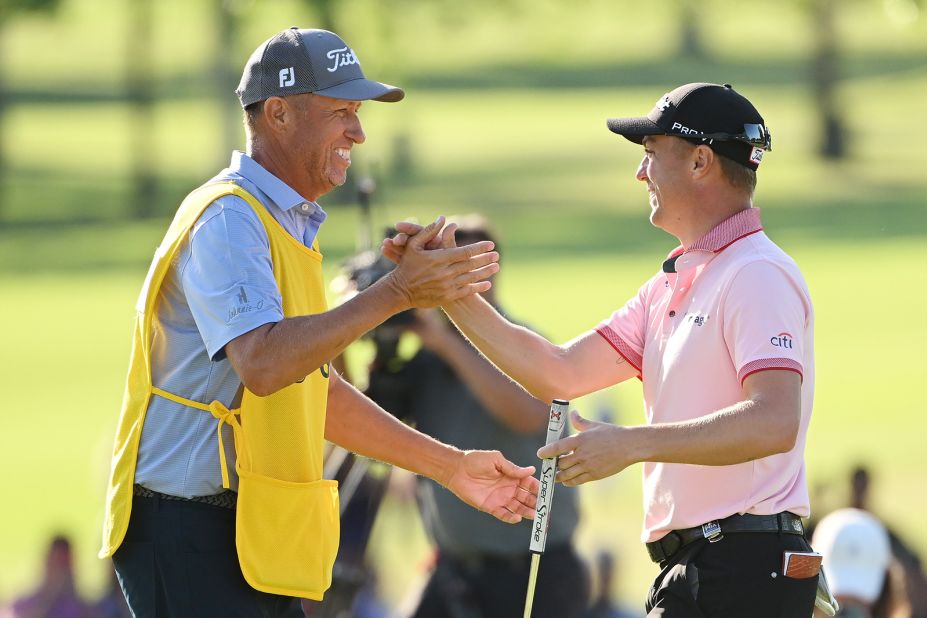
[666, 547]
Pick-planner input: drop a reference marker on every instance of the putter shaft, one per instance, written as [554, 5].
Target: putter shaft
[558, 413]
[532, 581]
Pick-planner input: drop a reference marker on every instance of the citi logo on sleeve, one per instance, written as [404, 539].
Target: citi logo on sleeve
[782, 340]
[340, 57]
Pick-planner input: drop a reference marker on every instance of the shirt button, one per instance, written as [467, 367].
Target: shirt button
[672, 314]
[305, 207]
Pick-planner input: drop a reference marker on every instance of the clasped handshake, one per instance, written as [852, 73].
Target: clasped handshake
[432, 270]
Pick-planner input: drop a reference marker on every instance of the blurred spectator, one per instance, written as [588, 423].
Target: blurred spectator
[603, 606]
[56, 595]
[857, 555]
[367, 602]
[455, 395]
[113, 603]
[859, 488]
[908, 561]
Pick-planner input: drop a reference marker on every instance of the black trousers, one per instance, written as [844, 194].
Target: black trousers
[178, 560]
[738, 576]
[493, 587]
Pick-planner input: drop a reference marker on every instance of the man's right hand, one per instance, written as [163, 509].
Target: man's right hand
[431, 270]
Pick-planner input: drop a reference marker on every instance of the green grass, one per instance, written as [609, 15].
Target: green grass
[511, 126]
[65, 347]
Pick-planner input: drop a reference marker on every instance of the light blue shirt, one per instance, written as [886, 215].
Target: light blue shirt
[221, 285]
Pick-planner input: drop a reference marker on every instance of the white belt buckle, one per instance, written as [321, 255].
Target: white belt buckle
[712, 531]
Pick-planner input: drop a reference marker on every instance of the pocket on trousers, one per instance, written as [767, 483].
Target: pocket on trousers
[135, 568]
[287, 534]
[797, 596]
[676, 592]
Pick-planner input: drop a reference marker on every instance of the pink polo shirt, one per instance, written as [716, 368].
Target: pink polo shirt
[737, 304]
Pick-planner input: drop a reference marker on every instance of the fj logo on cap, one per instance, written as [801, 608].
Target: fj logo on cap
[756, 155]
[340, 57]
[287, 77]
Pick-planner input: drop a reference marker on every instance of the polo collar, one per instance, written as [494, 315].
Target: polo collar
[282, 195]
[718, 239]
[729, 231]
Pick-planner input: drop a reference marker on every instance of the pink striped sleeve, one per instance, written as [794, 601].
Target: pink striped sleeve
[625, 330]
[621, 347]
[765, 364]
[767, 314]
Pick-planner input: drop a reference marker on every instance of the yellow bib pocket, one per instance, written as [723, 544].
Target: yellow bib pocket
[306, 515]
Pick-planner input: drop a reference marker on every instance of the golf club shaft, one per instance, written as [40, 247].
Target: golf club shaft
[532, 581]
[555, 422]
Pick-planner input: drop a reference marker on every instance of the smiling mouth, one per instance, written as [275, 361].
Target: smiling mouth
[344, 153]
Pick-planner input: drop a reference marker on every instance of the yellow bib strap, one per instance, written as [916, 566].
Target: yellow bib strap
[219, 411]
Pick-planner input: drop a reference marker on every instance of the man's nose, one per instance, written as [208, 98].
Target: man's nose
[642, 170]
[356, 132]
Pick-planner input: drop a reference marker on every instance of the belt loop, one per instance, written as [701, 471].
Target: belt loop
[157, 503]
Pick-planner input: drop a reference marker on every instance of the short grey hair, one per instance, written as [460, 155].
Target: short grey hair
[252, 113]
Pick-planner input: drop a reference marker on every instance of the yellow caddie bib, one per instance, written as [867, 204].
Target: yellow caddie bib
[287, 525]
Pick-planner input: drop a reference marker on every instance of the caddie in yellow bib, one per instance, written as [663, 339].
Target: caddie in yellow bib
[287, 523]
[230, 356]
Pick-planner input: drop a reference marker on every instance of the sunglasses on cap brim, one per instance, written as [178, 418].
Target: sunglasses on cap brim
[754, 134]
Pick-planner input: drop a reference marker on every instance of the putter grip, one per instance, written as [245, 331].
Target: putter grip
[555, 422]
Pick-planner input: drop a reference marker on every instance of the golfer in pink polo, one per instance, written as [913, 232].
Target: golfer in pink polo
[722, 340]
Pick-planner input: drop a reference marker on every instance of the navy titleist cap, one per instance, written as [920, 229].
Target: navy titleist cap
[297, 61]
[711, 114]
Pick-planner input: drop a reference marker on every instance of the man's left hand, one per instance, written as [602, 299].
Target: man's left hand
[489, 482]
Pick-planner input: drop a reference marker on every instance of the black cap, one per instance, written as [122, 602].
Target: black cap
[297, 61]
[711, 114]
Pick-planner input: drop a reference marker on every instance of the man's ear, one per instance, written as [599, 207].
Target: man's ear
[276, 113]
[703, 159]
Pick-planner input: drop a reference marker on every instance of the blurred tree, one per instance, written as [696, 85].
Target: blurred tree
[825, 75]
[140, 95]
[324, 10]
[690, 37]
[226, 74]
[8, 10]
